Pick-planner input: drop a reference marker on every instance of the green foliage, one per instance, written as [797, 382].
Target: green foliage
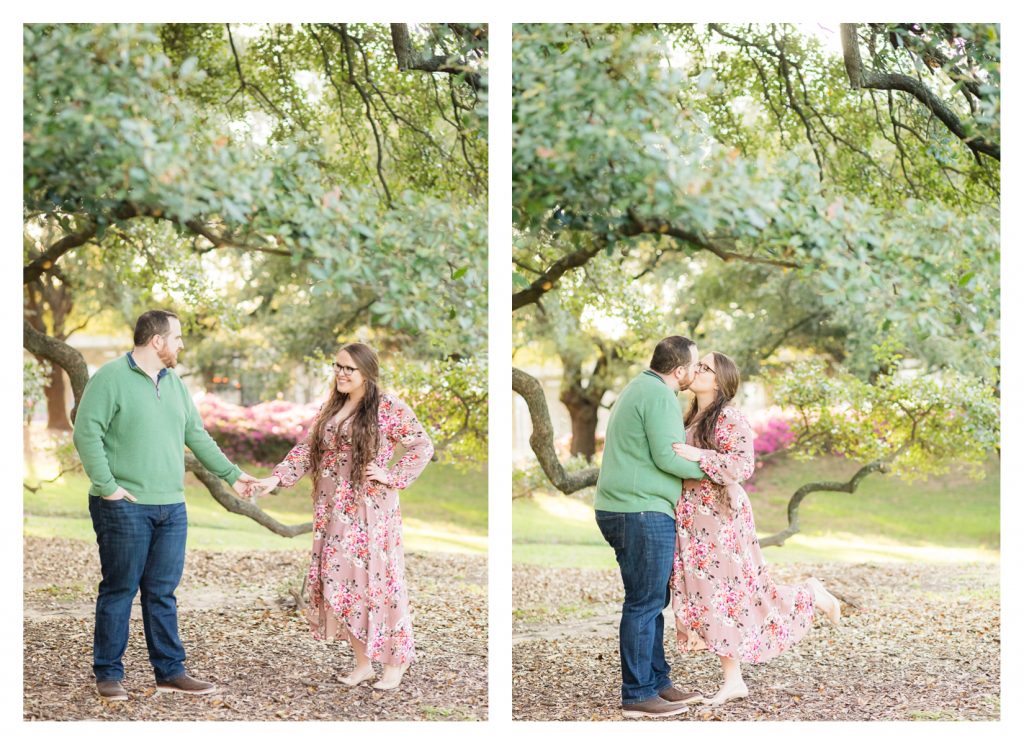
[283, 187]
[36, 374]
[776, 87]
[619, 125]
[920, 425]
[450, 398]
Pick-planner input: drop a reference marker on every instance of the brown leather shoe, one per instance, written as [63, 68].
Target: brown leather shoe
[653, 707]
[674, 695]
[185, 683]
[111, 690]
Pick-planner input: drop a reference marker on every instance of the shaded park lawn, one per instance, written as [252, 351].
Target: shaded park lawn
[444, 510]
[949, 518]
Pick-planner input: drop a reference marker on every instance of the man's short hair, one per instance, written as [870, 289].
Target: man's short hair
[671, 352]
[152, 323]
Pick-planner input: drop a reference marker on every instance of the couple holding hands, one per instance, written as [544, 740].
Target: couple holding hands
[132, 425]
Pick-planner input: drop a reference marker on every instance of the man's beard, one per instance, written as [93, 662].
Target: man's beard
[684, 384]
[167, 357]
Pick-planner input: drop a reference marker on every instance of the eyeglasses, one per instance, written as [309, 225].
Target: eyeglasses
[344, 370]
[701, 367]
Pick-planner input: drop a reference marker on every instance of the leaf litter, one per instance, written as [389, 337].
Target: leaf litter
[241, 629]
[916, 642]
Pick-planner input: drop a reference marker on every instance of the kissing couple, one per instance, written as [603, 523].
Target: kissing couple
[670, 503]
[133, 422]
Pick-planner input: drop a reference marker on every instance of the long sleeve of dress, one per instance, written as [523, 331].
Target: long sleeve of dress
[296, 463]
[733, 459]
[402, 427]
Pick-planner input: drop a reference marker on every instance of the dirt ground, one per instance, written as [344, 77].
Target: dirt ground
[916, 642]
[240, 628]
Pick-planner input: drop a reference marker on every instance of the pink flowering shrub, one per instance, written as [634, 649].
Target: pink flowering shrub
[771, 435]
[261, 434]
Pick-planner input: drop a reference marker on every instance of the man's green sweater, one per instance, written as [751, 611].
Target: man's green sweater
[132, 432]
[639, 470]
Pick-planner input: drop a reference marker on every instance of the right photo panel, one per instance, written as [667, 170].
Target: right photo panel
[756, 373]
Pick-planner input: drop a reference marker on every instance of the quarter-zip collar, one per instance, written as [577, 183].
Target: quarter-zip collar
[135, 366]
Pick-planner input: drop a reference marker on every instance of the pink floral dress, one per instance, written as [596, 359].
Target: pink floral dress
[357, 572]
[723, 595]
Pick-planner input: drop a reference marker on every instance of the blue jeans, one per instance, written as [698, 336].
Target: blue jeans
[142, 547]
[644, 544]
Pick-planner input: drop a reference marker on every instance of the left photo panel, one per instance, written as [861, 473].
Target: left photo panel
[255, 371]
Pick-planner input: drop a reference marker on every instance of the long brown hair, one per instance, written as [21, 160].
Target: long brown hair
[365, 428]
[728, 377]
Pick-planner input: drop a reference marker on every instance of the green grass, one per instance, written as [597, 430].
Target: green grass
[445, 510]
[948, 518]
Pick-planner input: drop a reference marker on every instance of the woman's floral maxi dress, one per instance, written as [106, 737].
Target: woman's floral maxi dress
[357, 572]
[723, 595]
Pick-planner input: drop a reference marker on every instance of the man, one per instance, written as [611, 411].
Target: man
[133, 421]
[635, 505]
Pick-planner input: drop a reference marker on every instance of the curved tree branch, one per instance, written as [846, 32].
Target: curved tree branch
[408, 59]
[862, 78]
[61, 354]
[777, 539]
[227, 499]
[48, 258]
[542, 437]
[657, 226]
[346, 47]
[546, 281]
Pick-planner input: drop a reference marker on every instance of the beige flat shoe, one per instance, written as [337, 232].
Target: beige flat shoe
[352, 681]
[380, 685]
[724, 696]
[835, 607]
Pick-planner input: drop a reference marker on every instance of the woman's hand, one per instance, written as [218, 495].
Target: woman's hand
[689, 452]
[262, 487]
[374, 472]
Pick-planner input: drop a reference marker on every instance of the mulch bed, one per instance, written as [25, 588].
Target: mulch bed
[240, 628]
[916, 642]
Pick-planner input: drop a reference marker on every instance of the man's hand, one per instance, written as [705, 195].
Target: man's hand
[245, 486]
[689, 452]
[121, 493]
[374, 472]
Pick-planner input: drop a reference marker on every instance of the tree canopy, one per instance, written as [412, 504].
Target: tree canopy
[283, 186]
[756, 190]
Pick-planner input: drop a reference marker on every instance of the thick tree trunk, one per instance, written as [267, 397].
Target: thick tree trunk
[584, 400]
[583, 414]
[56, 407]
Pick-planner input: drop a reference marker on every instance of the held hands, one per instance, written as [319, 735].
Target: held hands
[263, 487]
[249, 487]
[374, 472]
[689, 452]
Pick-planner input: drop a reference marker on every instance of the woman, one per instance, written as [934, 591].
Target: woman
[357, 574]
[723, 595]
